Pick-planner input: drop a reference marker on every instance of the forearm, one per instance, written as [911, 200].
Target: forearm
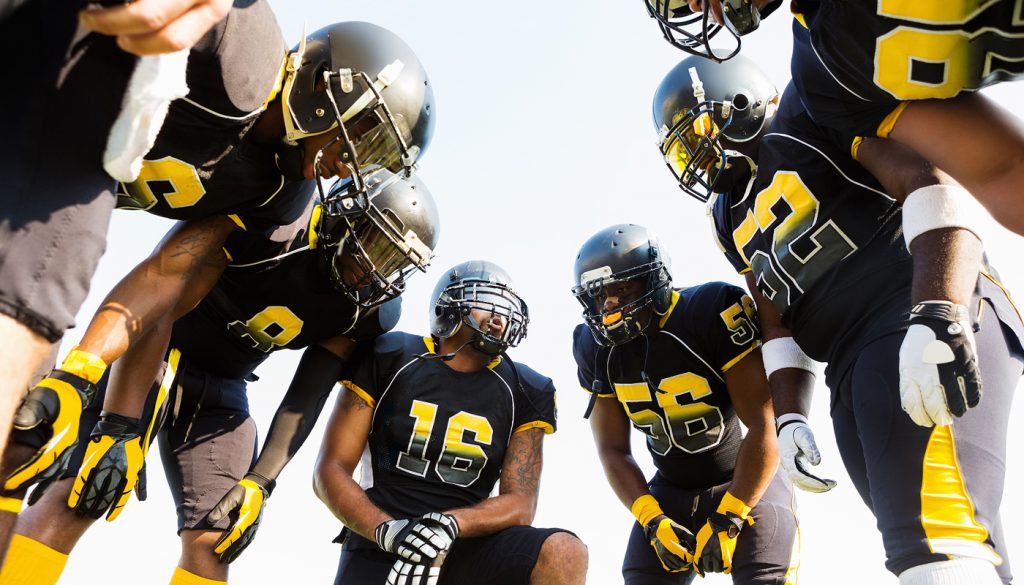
[792, 390]
[946, 264]
[299, 410]
[348, 502]
[131, 379]
[182, 269]
[756, 464]
[624, 476]
[495, 514]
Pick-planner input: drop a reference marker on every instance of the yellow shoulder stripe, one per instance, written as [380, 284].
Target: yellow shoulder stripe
[350, 385]
[889, 122]
[737, 359]
[537, 424]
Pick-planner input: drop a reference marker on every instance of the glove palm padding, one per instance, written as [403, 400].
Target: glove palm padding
[52, 410]
[673, 543]
[246, 501]
[111, 469]
[939, 376]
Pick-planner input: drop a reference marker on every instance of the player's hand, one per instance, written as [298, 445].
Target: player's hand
[48, 420]
[113, 466]
[245, 502]
[798, 451]
[404, 572]
[939, 376]
[716, 540]
[418, 539]
[673, 543]
[151, 27]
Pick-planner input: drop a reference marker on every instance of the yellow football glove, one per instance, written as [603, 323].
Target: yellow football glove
[245, 501]
[48, 419]
[716, 540]
[672, 542]
[111, 469]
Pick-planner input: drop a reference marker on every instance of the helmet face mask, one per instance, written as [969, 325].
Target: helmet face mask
[692, 149]
[623, 263]
[484, 287]
[377, 251]
[692, 31]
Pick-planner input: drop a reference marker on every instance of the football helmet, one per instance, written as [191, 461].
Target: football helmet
[692, 31]
[478, 284]
[365, 81]
[376, 238]
[705, 114]
[619, 254]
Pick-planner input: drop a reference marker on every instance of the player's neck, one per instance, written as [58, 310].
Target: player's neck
[269, 128]
[466, 358]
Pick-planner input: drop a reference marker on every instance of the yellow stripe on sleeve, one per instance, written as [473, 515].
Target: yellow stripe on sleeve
[737, 359]
[537, 424]
[350, 385]
[889, 122]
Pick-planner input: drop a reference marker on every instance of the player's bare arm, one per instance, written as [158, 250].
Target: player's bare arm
[758, 456]
[611, 429]
[343, 445]
[518, 488]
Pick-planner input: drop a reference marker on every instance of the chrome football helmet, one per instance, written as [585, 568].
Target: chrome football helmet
[478, 284]
[706, 113]
[375, 238]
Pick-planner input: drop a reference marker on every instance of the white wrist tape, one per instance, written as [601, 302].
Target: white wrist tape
[783, 352]
[941, 206]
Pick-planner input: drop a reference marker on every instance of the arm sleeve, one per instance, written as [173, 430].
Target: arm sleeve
[314, 379]
[535, 406]
[588, 354]
[366, 367]
[721, 229]
[730, 327]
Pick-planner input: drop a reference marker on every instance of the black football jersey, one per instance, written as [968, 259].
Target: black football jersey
[439, 437]
[672, 383]
[203, 162]
[275, 294]
[909, 49]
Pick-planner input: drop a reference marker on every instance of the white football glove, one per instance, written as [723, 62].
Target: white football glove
[939, 376]
[797, 449]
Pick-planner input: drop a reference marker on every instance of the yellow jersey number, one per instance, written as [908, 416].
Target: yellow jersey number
[801, 250]
[461, 461]
[959, 60]
[674, 416]
[273, 327]
[175, 180]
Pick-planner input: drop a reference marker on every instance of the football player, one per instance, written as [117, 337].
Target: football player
[684, 367]
[442, 419]
[319, 286]
[910, 71]
[822, 247]
[353, 95]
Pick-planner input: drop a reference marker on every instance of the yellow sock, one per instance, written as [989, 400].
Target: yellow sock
[183, 577]
[84, 365]
[30, 562]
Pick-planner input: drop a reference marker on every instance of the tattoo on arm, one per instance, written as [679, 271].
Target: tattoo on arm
[201, 245]
[353, 400]
[527, 460]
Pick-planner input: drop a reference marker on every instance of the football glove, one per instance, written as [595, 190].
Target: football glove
[673, 543]
[408, 573]
[418, 539]
[798, 451]
[716, 540]
[245, 502]
[111, 469]
[48, 418]
[939, 376]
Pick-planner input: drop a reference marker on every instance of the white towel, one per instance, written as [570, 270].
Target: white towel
[157, 81]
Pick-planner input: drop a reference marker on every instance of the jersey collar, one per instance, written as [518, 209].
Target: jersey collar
[671, 307]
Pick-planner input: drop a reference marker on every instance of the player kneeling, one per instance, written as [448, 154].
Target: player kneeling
[442, 419]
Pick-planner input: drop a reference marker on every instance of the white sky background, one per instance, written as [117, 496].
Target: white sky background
[544, 137]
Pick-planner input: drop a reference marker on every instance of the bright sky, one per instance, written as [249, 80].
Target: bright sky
[544, 137]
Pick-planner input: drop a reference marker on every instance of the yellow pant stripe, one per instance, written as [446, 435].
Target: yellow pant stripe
[947, 513]
[183, 577]
[30, 562]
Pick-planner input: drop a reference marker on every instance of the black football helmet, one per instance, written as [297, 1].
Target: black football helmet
[478, 284]
[706, 113]
[692, 31]
[364, 80]
[382, 234]
[618, 254]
